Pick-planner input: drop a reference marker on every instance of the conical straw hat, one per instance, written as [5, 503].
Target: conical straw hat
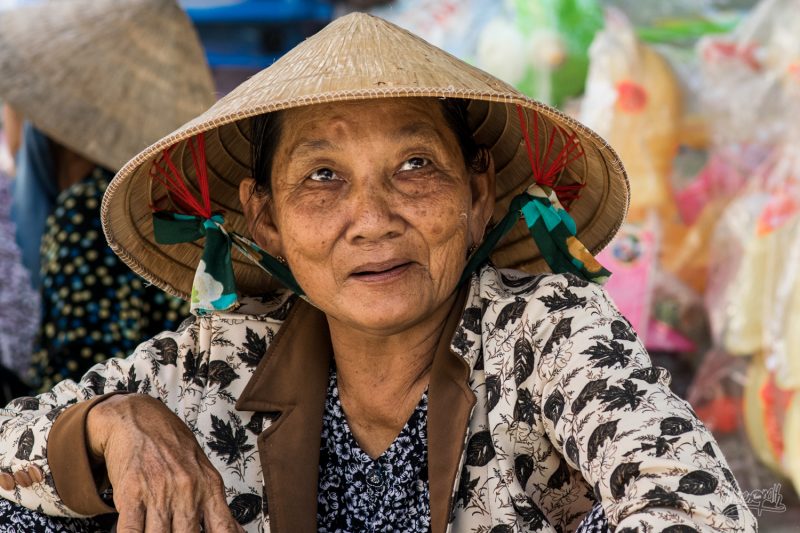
[105, 78]
[357, 57]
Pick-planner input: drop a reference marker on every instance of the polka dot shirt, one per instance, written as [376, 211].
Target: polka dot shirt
[93, 306]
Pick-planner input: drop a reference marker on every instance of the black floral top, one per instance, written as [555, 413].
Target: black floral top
[357, 493]
[93, 306]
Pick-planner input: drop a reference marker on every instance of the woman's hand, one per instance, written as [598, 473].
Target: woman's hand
[162, 480]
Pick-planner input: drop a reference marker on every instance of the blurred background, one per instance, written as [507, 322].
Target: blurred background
[700, 98]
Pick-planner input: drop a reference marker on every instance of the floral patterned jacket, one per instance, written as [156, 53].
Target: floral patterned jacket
[540, 401]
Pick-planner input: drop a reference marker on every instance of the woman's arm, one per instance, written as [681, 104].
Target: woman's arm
[115, 424]
[611, 414]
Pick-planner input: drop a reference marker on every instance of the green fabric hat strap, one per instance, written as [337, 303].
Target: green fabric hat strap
[542, 206]
[554, 232]
[214, 285]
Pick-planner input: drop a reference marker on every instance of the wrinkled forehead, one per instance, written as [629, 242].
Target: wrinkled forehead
[385, 114]
[356, 124]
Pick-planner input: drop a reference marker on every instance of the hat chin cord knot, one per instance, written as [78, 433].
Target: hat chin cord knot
[214, 285]
[544, 205]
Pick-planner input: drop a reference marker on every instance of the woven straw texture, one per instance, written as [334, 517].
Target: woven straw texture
[105, 78]
[357, 57]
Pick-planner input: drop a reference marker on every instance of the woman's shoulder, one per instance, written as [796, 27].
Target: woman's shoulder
[273, 306]
[553, 292]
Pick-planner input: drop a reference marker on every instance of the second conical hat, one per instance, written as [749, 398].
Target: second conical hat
[105, 78]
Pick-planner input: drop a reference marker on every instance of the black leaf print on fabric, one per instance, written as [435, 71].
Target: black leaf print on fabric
[480, 449]
[572, 451]
[523, 360]
[600, 434]
[662, 445]
[524, 409]
[466, 486]
[256, 424]
[589, 393]
[25, 445]
[709, 449]
[608, 355]
[523, 468]
[510, 313]
[254, 346]
[166, 350]
[731, 511]
[53, 413]
[563, 330]
[565, 300]
[502, 528]
[471, 319]
[679, 528]
[661, 497]
[493, 385]
[131, 384]
[648, 375]
[627, 530]
[622, 331]
[26, 403]
[554, 406]
[192, 373]
[623, 474]
[460, 341]
[675, 425]
[618, 397]
[530, 514]
[698, 483]
[245, 507]
[560, 477]
[479, 361]
[282, 312]
[575, 281]
[729, 477]
[222, 373]
[95, 381]
[226, 441]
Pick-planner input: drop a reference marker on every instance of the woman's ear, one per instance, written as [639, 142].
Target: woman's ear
[260, 217]
[483, 197]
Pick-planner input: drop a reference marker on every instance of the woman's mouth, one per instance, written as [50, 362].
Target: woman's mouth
[384, 271]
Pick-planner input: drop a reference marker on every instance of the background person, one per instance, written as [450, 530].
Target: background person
[96, 81]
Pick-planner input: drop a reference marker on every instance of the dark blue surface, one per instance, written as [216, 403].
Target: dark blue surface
[252, 34]
[249, 11]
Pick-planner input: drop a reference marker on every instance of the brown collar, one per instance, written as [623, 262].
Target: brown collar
[292, 379]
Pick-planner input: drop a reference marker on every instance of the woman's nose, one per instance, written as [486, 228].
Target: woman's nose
[373, 216]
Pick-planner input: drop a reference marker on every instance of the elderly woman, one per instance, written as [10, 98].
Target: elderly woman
[396, 380]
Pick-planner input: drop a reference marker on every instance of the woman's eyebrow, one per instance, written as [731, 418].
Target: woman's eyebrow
[312, 145]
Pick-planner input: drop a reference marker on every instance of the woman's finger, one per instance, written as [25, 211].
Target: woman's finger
[156, 519]
[131, 518]
[186, 521]
[217, 517]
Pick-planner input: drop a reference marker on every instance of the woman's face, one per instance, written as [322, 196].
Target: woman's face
[373, 208]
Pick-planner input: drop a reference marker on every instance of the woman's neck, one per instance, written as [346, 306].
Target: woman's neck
[381, 378]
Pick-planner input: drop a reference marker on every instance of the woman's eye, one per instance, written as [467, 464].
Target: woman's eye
[414, 163]
[323, 174]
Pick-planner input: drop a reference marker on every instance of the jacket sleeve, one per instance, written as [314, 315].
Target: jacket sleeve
[611, 415]
[44, 463]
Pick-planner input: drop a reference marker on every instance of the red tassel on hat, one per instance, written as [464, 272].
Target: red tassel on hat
[166, 173]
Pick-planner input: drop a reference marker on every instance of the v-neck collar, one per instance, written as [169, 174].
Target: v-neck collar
[291, 382]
